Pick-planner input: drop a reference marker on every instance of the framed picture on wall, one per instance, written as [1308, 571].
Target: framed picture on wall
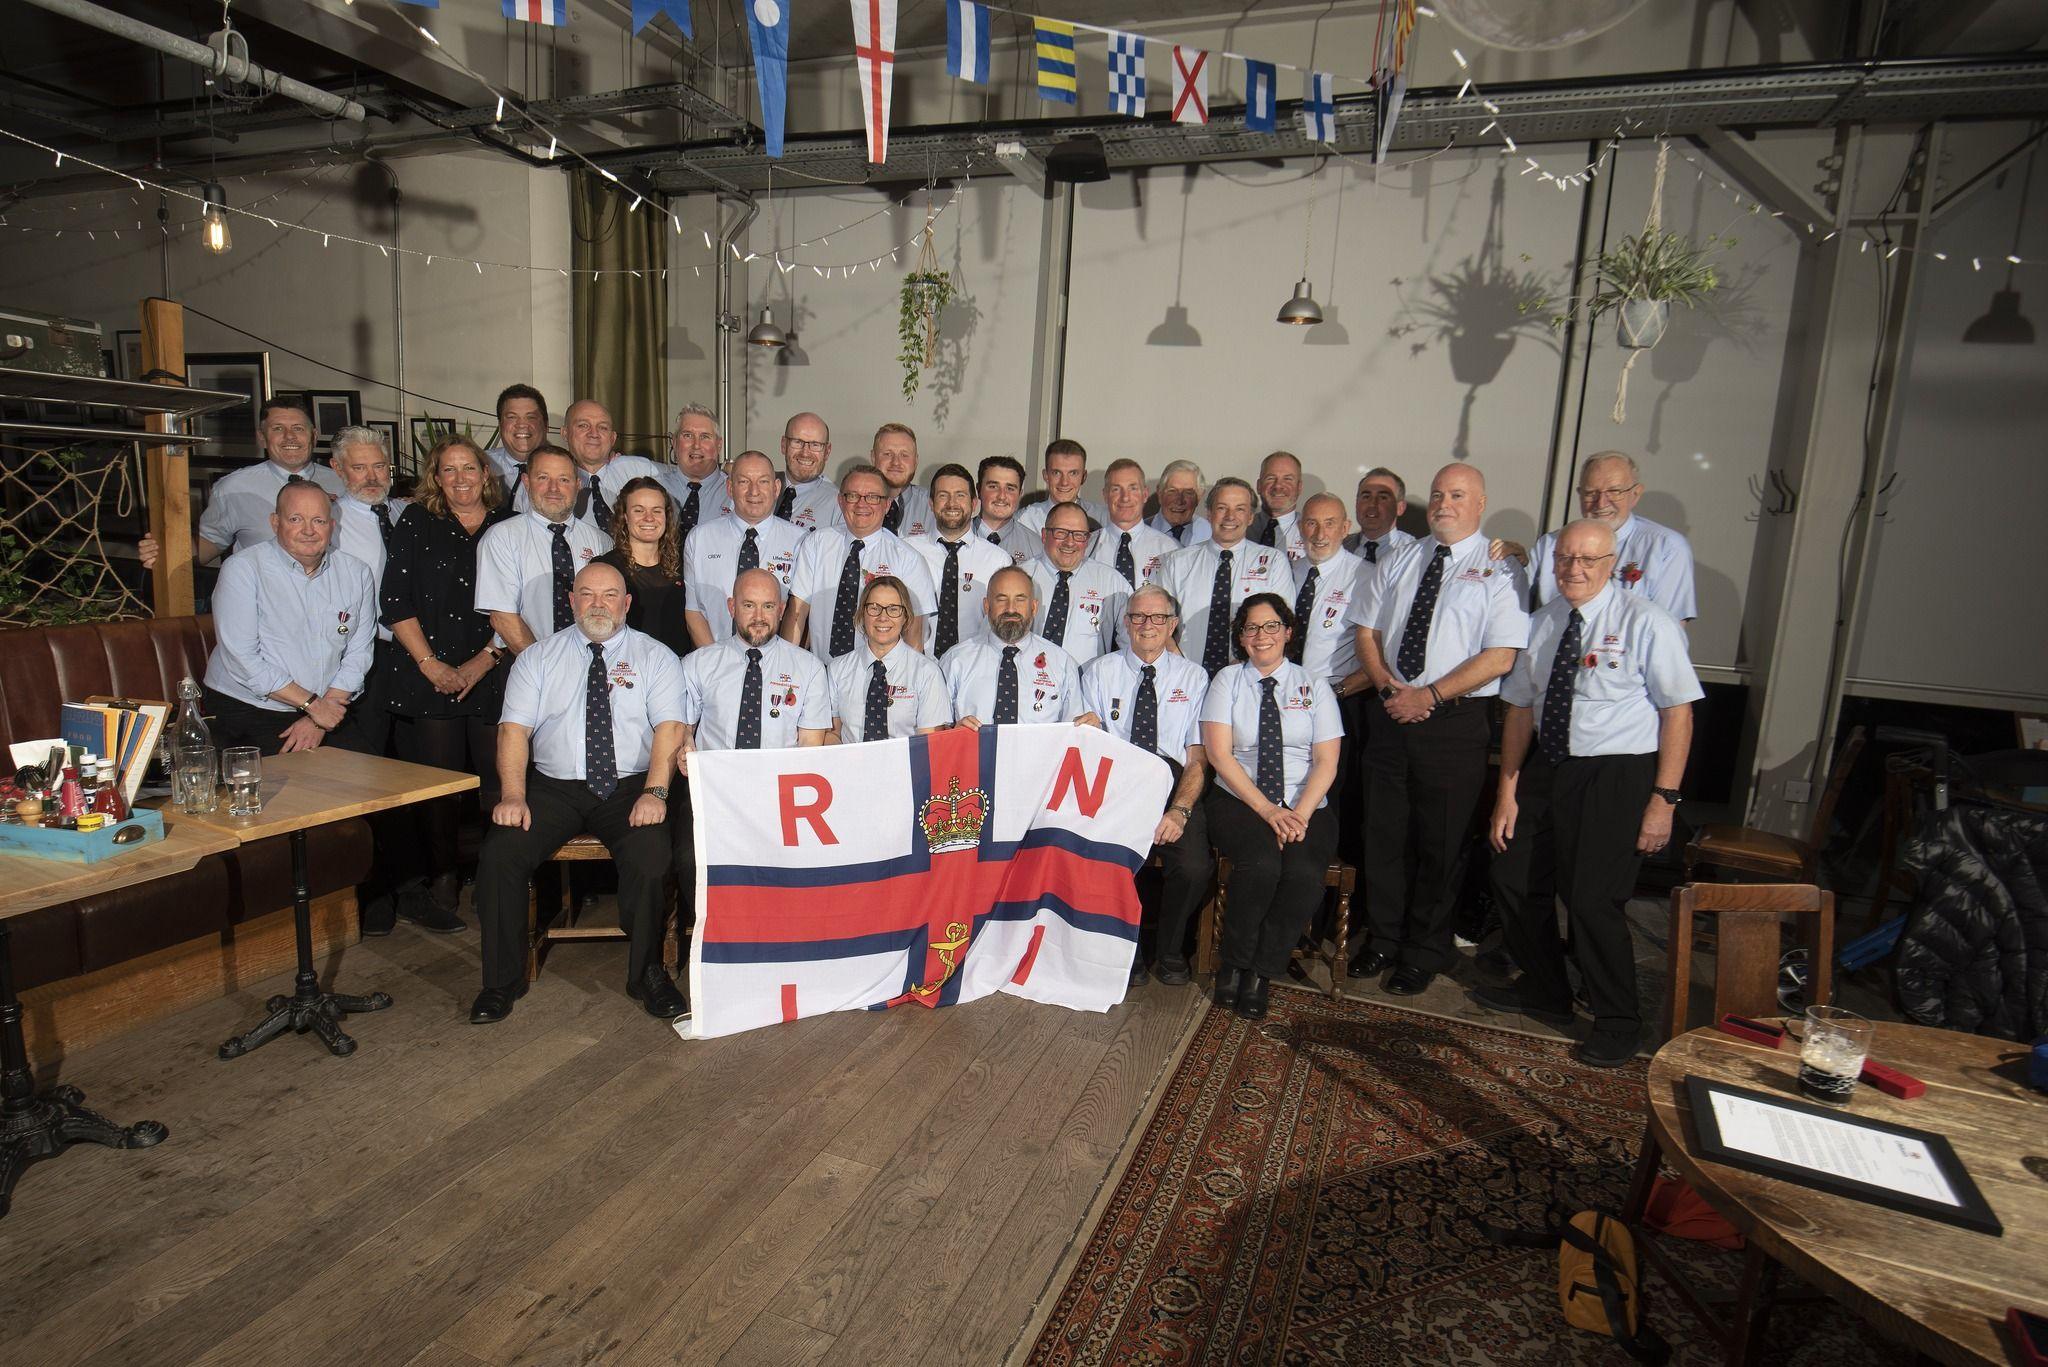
[426, 434]
[128, 355]
[234, 372]
[334, 409]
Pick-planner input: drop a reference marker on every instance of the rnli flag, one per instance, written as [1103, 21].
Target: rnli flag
[928, 870]
[1055, 60]
[554, 13]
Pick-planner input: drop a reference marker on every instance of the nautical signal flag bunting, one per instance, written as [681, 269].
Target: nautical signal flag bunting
[874, 54]
[1190, 85]
[967, 41]
[924, 871]
[553, 13]
[1056, 60]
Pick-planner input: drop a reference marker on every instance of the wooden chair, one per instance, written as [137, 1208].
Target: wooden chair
[563, 921]
[1748, 948]
[1340, 876]
[1782, 857]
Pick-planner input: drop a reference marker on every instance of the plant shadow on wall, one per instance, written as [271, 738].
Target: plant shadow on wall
[1730, 315]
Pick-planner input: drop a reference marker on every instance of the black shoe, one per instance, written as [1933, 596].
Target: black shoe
[492, 1005]
[1251, 998]
[1368, 964]
[1604, 1050]
[379, 916]
[445, 891]
[657, 992]
[1510, 999]
[1410, 981]
[1226, 988]
[1139, 977]
[1171, 972]
[419, 909]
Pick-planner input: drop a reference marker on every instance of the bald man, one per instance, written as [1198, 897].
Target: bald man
[808, 498]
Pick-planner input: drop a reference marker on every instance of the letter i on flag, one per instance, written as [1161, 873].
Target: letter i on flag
[1190, 85]
[1259, 96]
[967, 41]
[874, 53]
[1127, 75]
[1056, 61]
[646, 11]
[554, 13]
[768, 27]
[1319, 107]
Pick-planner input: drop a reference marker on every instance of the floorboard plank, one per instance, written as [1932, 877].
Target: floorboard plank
[772, 1341]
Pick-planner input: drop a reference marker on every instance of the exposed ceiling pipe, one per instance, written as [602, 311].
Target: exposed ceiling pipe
[218, 63]
[729, 320]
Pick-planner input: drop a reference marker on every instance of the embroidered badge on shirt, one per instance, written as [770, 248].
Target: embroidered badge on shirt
[622, 675]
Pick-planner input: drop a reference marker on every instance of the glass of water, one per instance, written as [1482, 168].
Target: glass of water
[193, 773]
[1832, 1052]
[242, 766]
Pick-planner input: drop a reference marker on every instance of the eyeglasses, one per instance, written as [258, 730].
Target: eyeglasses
[887, 610]
[1609, 494]
[1062, 534]
[1264, 628]
[1584, 562]
[865, 500]
[1148, 619]
[814, 447]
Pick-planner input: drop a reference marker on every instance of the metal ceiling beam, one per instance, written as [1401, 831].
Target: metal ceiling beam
[678, 97]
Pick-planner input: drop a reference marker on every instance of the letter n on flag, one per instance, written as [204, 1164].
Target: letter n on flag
[874, 54]
[930, 870]
[1190, 85]
[554, 13]
[967, 41]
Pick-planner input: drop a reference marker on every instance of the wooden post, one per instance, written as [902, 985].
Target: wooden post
[167, 466]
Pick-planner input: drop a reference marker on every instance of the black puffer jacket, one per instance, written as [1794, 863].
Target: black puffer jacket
[1974, 955]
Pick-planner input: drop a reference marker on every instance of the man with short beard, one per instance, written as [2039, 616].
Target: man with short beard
[960, 562]
[1127, 543]
[833, 566]
[696, 482]
[808, 499]
[1011, 674]
[522, 427]
[587, 743]
[894, 453]
[747, 537]
[526, 566]
[1181, 491]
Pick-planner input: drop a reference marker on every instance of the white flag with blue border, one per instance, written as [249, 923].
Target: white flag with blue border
[1127, 75]
[967, 41]
[1319, 106]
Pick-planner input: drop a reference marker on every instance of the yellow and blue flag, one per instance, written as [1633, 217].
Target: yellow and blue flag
[1055, 60]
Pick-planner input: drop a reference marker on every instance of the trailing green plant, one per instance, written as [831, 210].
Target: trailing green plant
[1653, 265]
[925, 293]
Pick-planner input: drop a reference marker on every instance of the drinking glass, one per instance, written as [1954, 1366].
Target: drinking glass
[192, 779]
[1831, 1054]
[242, 766]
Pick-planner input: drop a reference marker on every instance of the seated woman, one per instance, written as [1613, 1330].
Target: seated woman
[647, 547]
[1271, 732]
[883, 688]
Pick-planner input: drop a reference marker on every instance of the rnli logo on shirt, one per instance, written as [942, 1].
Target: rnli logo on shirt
[586, 553]
[341, 624]
[1178, 695]
[622, 675]
[1475, 575]
[1150, 566]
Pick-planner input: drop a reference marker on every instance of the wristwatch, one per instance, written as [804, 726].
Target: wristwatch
[1670, 795]
[1387, 693]
[1186, 813]
[659, 790]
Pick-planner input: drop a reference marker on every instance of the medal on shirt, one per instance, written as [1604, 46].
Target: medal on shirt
[341, 624]
[1116, 709]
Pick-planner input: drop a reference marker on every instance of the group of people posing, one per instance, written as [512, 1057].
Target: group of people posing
[572, 624]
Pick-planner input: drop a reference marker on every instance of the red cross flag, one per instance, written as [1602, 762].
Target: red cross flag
[874, 51]
[1190, 85]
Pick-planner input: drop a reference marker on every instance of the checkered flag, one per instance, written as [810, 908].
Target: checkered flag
[1127, 75]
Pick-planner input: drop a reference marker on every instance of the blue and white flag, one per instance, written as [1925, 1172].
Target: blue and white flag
[1127, 75]
[1258, 96]
[646, 12]
[1319, 106]
[768, 27]
[967, 41]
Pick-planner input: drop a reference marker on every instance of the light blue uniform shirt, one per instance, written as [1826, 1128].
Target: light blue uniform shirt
[816, 505]
[1032, 515]
[355, 532]
[917, 691]
[711, 562]
[1632, 661]
[611, 481]
[1330, 642]
[1190, 573]
[1308, 713]
[1149, 548]
[816, 577]
[1478, 607]
[1019, 541]
[714, 500]
[1198, 530]
[1095, 605]
[515, 567]
[979, 561]
[917, 512]
[546, 692]
[509, 469]
[1650, 560]
[794, 693]
[274, 625]
[1109, 687]
[1048, 683]
[239, 505]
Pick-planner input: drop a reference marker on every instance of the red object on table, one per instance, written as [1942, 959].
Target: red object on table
[1756, 1032]
[1891, 1081]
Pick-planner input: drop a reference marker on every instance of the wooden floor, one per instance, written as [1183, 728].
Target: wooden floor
[576, 1184]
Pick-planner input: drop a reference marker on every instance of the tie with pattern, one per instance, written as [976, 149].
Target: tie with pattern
[1126, 564]
[1006, 687]
[874, 722]
[893, 519]
[592, 505]
[686, 520]
[843, 604]
[1178, 533]
[1145, 711]
[994, 538]
[786, 505]
[1267, 532]
[750, 551]
[1304, 609]
[949, 600]
[1272, 775]
[1056, 614]
[563, 571]
[383, 512]
[600, 762]
[747, 735]
[1415, 635]
[1372, 552]
[1216, 641]
[1555, 732]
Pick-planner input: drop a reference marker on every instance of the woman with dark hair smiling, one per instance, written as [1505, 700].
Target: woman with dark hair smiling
[647, 548]
[1271, 732]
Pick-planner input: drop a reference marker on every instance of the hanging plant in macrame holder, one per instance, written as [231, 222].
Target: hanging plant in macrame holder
[926, 291]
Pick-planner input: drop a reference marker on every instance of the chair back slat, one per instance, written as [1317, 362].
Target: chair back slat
[1747, 946]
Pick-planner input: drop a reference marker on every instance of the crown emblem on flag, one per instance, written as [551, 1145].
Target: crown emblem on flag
[952, 820]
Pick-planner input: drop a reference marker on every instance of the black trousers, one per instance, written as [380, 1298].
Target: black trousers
[1575, 829]
[1175, 892]
[1274, 888]
[367, 727]
[468, 745]
[234, 722]
[1347, 792]
[1423, 781]
[561, 809]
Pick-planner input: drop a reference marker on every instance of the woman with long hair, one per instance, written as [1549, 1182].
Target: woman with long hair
[647, 548]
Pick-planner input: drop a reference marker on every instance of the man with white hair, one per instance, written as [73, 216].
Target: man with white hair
[1182, 488]
[587, 742]
[1649, 558]
[696, 481]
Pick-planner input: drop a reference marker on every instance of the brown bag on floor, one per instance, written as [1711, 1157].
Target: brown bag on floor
[1599, 1284]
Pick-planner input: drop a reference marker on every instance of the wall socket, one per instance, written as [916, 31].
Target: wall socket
[1798, 790]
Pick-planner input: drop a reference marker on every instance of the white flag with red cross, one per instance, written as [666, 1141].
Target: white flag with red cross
[874, 51]
[1190, 85]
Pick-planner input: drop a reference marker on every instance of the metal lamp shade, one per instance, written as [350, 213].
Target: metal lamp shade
[765, 333]
[1302, 310]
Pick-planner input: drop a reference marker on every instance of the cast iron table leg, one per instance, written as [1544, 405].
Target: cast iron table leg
[308, 1008]
[36, 1127]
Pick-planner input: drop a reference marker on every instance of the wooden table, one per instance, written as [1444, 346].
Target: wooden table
[300, 791]
[1938, 1288]
[33, 1127]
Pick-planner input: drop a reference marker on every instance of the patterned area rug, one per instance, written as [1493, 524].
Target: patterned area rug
[1310, 1191]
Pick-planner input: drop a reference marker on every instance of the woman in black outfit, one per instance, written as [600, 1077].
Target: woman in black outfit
[647, 548]
[445, 708]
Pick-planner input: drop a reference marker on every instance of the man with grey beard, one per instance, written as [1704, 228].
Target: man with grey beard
[1013, 675]
[587, 743]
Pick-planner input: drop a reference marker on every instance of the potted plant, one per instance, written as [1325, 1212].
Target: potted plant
[925, 293]
[1641, 279]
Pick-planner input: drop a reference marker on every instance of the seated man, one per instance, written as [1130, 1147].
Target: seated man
[295, 626]
[1012, 674]
[592, 721]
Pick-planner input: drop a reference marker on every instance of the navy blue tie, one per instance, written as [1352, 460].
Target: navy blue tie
[1554, 729]
[1414, 653]
[1272, 775]
[1126, 565]
[843, 603]
[686, 520]
[747, 735]
[1006, 688]
[563, 570]
[750, 551]
[786, 505]
[949, 600]
[600, 760]
[592, 505]
[1304, 609]
[874, 722]
[1056, 615]
[1216, 641]
[1145, 712]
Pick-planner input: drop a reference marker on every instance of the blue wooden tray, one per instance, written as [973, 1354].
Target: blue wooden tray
[90, 847]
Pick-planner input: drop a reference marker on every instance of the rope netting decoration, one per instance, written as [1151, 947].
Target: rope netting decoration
[53, 564]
